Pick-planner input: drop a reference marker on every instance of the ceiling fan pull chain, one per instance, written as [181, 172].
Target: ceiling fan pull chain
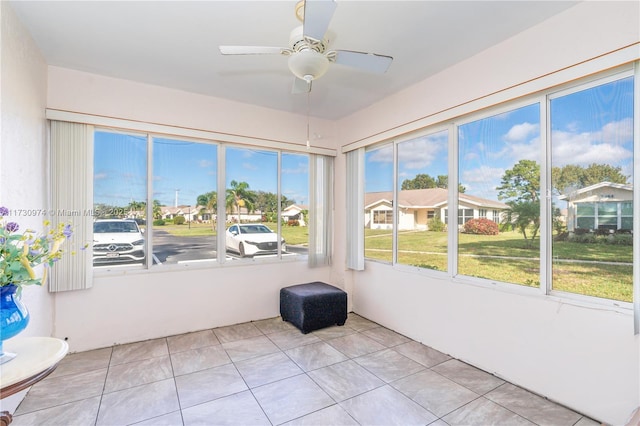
[308, 112]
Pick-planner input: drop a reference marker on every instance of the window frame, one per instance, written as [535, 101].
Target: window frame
[542, 98]
[150, 131]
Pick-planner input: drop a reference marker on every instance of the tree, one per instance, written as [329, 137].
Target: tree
[239, 195]
[521, 183]
[424, 181]
[267, 202]
[421, 181]
[137, 206]
[157, 211]
[524, 216]
[575, 177]
[209, 201]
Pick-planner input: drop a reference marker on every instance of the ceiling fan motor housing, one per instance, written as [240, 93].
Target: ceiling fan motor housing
[307, 61]
[308, 64]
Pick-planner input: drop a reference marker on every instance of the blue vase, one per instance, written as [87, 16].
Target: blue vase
[14, 317]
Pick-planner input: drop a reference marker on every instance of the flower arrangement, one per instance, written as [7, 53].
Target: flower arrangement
[21, 252]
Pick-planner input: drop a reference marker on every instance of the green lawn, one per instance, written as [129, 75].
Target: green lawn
[577, 268]
[297, 235]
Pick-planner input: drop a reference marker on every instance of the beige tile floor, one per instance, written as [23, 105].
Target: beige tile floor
[268, 373]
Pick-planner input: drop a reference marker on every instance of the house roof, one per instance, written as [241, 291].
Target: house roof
[624, 187]
[427, 198]
[296, 207]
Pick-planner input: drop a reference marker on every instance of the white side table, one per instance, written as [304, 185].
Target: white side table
[36, 358]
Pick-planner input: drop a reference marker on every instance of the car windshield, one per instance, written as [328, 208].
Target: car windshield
[108, 227]
[254, 229]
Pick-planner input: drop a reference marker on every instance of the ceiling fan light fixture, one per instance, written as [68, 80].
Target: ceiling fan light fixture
[308, 64]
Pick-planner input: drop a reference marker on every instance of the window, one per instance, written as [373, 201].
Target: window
[185, 199]
[464, 216]
[499, 169]
[251, 177]
[119, 195]
[294, 202]
[422, 188]
[383, 217]
[592, 172]
[264, 205]
[378, 183]
[586, 218]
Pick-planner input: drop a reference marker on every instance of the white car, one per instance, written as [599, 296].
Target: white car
[116, 241]
[251, 239]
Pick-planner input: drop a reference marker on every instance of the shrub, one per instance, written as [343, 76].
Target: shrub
[481, 227]
[179, 220]
[158, 222]
[293, 222]
[436, 225]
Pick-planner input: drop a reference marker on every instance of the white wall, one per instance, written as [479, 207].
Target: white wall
[23, 75]
[136, 306]
[83, 92]
[23, 145]
[583, 356]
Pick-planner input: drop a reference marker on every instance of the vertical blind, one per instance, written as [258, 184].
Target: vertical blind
[355, 209]
[71, 202]
[321, 207]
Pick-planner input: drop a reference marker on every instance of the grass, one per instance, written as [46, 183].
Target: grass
[577, 267]
[297, 235]
[600, 270]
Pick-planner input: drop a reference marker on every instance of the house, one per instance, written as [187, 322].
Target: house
[190, 213]
[295, 212]
[604, 206]
[581, 352]
[417, 206]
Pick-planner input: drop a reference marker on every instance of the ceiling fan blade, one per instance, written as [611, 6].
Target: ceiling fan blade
[251, 50]
[371, 62]
[300, 86]
[317, 15]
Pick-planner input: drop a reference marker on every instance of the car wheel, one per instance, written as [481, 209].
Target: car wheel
[241, 250]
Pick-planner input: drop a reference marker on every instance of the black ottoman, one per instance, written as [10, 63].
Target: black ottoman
[312, 306]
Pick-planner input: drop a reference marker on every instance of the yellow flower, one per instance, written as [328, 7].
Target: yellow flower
[56, 245]
[25, 263]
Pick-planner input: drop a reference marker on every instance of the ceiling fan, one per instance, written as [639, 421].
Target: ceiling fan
[309, 57]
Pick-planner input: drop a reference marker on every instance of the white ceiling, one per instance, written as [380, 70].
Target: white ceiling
[175, 44]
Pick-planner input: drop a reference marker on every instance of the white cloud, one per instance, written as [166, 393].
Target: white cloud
[205, 164]
[482, 174]
[421, 153]
[100, 176]
[617, 132]
[521, 132]
[301, 168]
[609, 145]
[381, 155]
[249, 166]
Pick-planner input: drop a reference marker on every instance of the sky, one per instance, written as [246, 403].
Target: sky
[186, 169]
[594, 125]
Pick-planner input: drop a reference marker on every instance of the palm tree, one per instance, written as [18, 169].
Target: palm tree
[239, 195]
[157, 211]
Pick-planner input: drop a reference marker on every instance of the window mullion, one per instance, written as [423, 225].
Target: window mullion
[546, 202]
[148, 237]
[452, 232]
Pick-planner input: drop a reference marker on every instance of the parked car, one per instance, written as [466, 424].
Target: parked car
[251, 239]
[117, 241]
